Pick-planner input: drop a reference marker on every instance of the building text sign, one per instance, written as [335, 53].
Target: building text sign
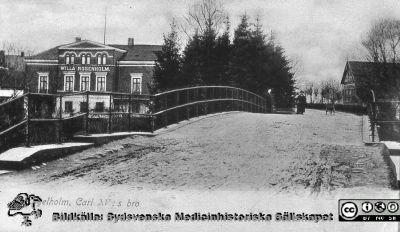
[85, 68]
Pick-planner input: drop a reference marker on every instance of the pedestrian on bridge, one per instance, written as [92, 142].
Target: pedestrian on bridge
[301, 103]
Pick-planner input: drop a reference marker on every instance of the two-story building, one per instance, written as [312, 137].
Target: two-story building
[90, 66]
[361, 74]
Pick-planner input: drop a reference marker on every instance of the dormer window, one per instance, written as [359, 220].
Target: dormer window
[83, 58]
[102, 59]
[69, 58]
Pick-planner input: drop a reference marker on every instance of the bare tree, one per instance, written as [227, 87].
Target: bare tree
[204, 16]
[316, 90]
[382, 41]
[331, 90]
[309, 90]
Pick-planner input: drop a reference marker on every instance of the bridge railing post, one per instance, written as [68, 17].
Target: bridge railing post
[187, 107]
[130, 112]
[234, 96]
[87, 114]
[220, 99]
[152, 111]
[60, 124]
[177, 104]
[165, 113]
[109, 129]
[197, 95]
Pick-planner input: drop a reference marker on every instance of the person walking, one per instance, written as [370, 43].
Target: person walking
[301, 103]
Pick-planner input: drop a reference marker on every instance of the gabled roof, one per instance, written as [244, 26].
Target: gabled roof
[87, 44]
[139, 52]
[51, 54]
[368, 70]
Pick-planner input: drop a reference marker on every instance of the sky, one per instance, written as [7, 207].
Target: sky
[320, 35]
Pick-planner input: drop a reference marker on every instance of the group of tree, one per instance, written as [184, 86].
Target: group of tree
[250, 60]
[382, 44]
[323, 91]
[12, 65]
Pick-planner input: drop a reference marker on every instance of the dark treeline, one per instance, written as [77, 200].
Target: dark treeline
[251, 60]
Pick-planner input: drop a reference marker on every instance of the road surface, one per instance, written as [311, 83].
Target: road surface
[234, 151]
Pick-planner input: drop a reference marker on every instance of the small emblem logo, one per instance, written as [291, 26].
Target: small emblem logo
[392, 207]
[25, 204]
[367, 207]
[349, 210]
[380, 207]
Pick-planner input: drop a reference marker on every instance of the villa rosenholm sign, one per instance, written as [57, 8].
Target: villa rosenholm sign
[85, 68]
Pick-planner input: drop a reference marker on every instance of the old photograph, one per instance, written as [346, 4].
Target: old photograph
[199, 115]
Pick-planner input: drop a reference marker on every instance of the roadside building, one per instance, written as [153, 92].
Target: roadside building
[361, 74]
[86, 65]
[12, 75]
[353, 71]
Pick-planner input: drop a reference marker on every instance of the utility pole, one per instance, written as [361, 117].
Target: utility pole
[105, 25]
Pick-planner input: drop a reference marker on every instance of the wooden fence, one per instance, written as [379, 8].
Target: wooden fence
[36, 118]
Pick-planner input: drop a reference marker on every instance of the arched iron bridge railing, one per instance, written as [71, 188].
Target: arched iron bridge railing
[181, 104]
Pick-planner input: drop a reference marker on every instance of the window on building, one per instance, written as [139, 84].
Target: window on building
[98, 59]
[104, 59]
[88, 59]
[136, 83]
[99, 107]
[101, 83]
[83, 59]
[67, 59]
[43, 83]
[85, 83]
[69, 83]
[68, 107]
[83, 107]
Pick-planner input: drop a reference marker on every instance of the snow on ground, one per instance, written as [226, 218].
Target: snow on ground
[237, 151]
[237, 163]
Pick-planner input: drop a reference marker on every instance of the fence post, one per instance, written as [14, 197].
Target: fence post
[252, 103]
[247, 102]
[177, 104]
[109, 116]
[236, 100]
[373, 121]
[187, 107]
[130, 112]
[166, 112]
[152, 109]
[220, 99]
[197, 104]
[87, 114]
[206, 98]
[28, 117]
[60, 124]
[243, 103]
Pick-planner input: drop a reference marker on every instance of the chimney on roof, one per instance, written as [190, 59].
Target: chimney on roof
[78, 39]
[131, 42]
[22, 54]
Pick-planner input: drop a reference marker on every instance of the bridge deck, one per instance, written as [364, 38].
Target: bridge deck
[246, 151]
